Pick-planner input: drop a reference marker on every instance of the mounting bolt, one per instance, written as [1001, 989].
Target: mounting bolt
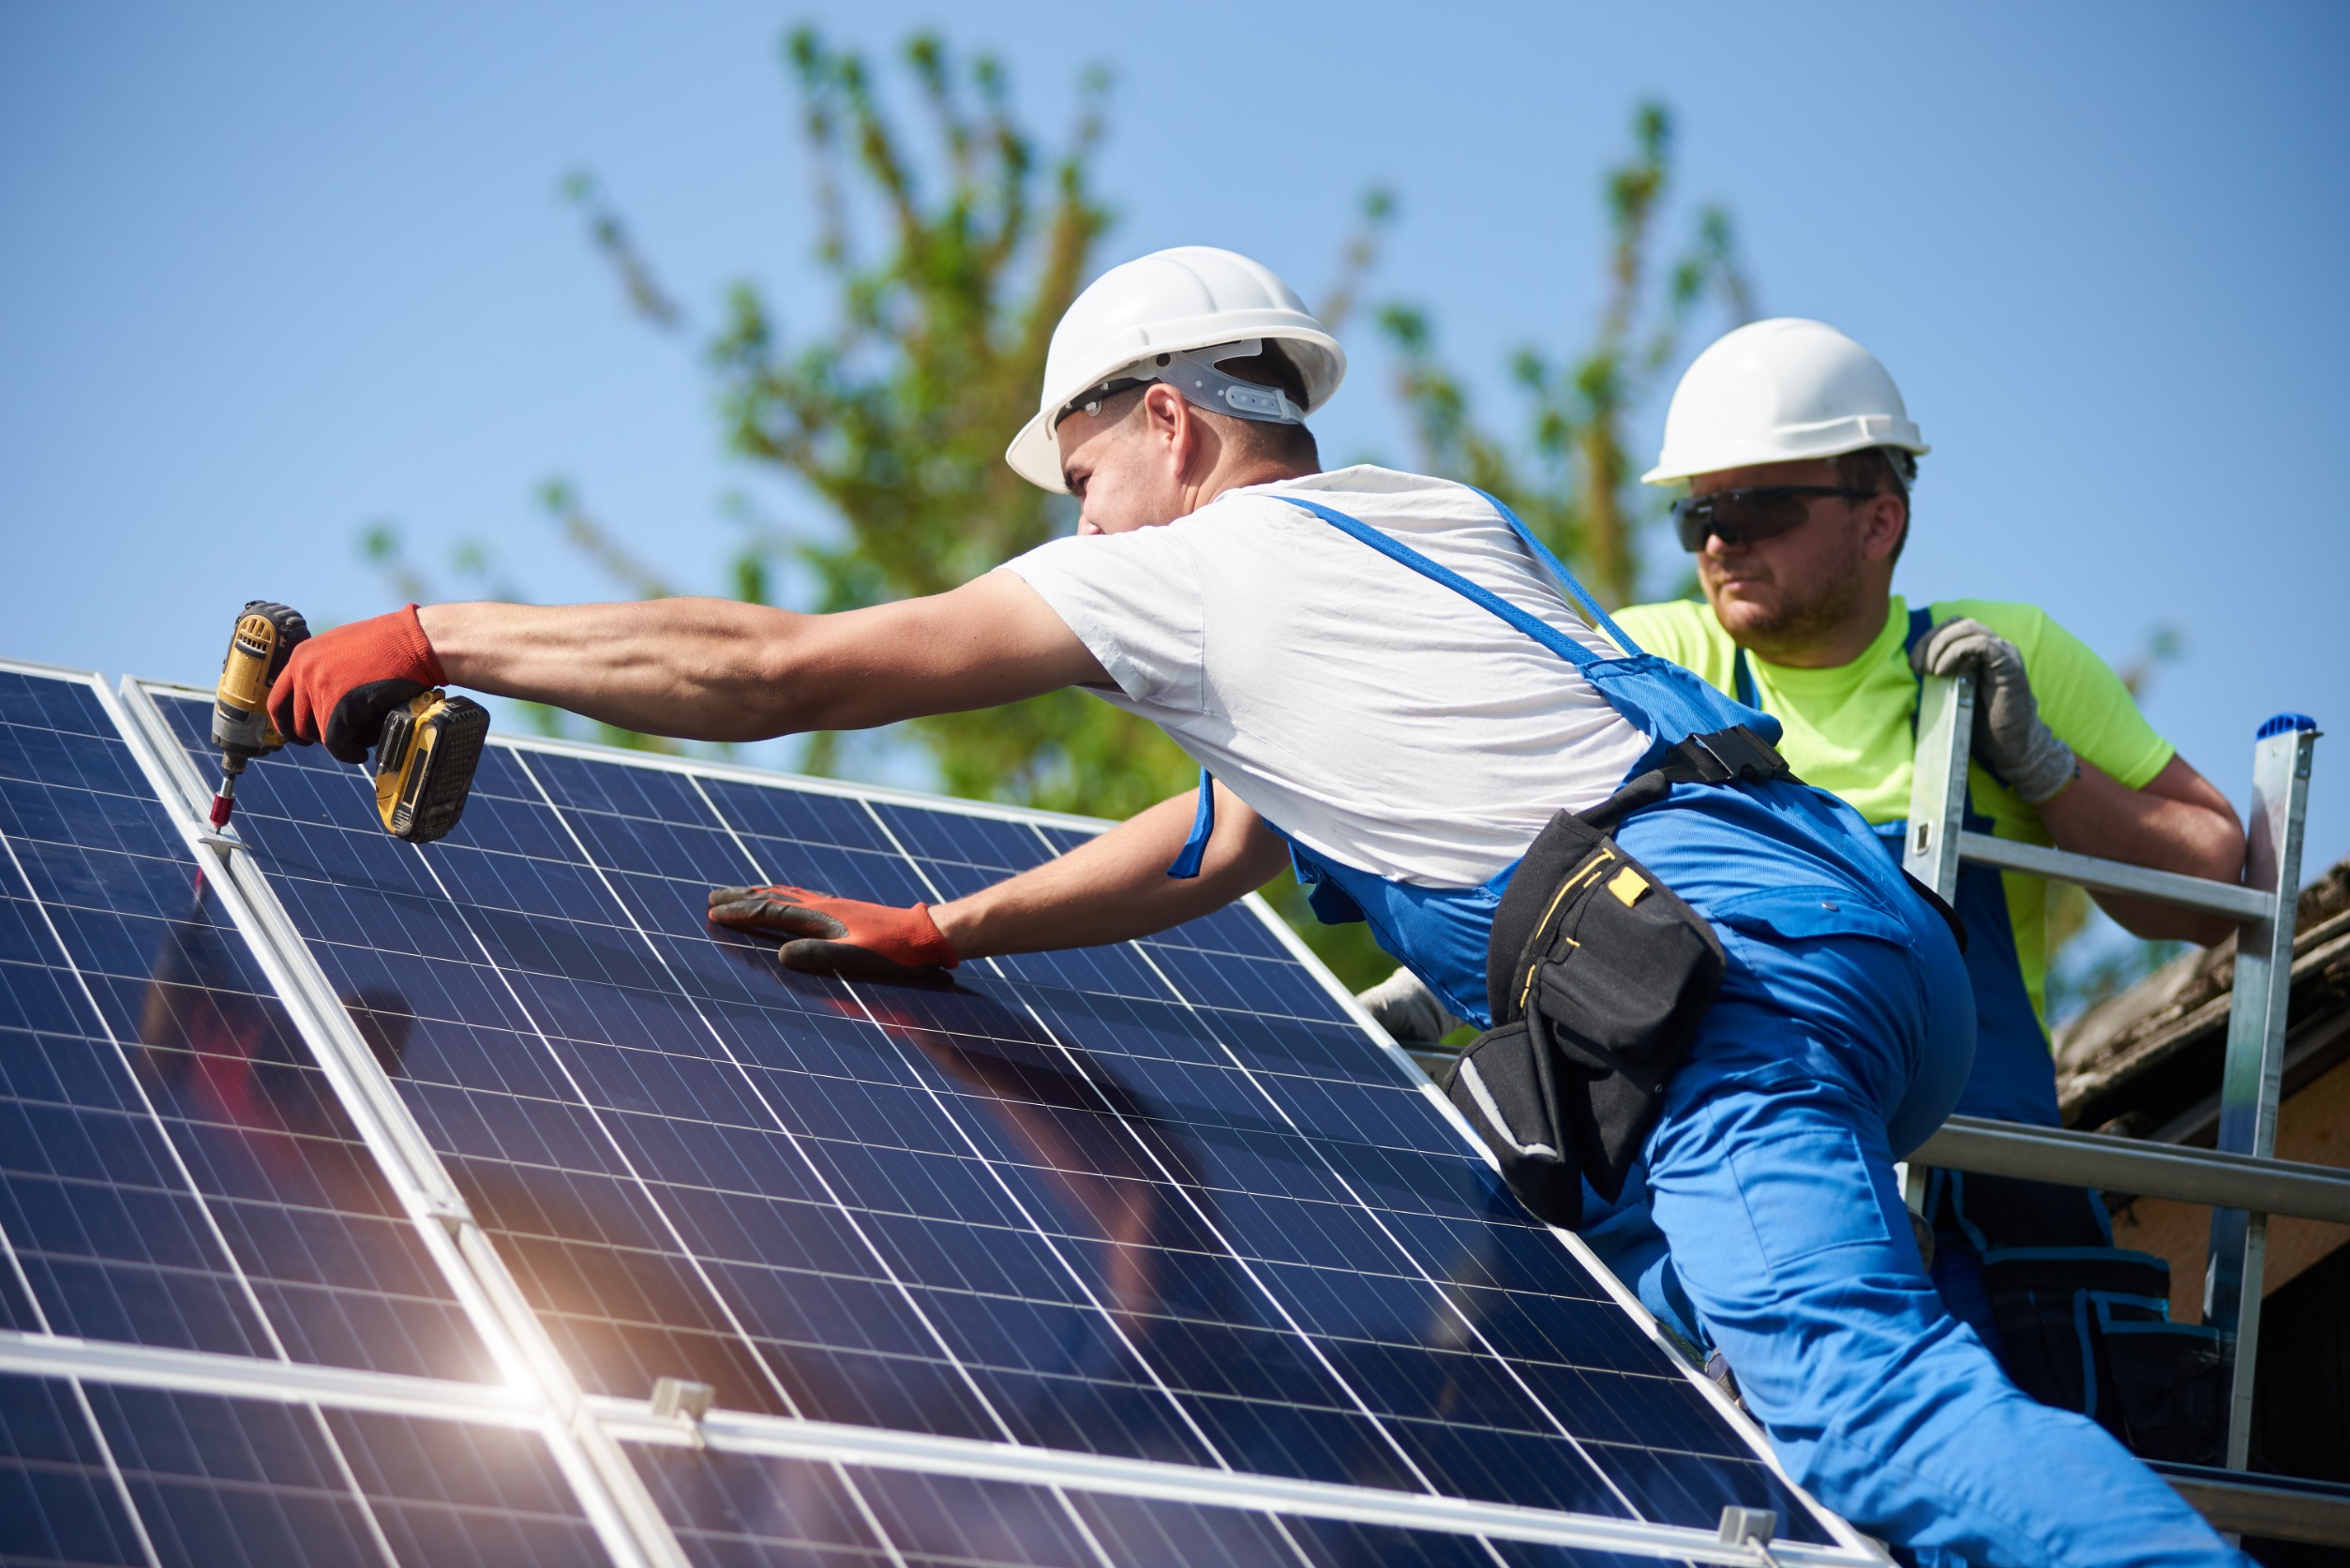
[681, 1399]
[1750, 1527]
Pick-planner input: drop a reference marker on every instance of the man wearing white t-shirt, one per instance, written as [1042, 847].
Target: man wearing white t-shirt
[1381, 675]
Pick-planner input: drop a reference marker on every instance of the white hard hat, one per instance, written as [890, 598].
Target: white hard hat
[1158, 306]
[1777, 391]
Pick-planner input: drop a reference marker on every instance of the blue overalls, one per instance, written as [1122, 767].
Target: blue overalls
[2030, 1266]
[1841, 1038]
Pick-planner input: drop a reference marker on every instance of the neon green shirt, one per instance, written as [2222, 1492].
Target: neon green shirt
[1849, 728]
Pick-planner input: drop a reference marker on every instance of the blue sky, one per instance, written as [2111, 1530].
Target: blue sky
[269, 274]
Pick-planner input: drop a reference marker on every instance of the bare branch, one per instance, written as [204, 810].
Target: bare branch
[611, 236]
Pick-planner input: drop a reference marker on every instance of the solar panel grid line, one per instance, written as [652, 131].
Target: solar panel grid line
[1468, 1324]
[809, 784]
[782, 1125]
[114, 1475]
[824, 1183]
[1154, 1157]
[105, 1027]
[1421, 1085]
[1624, 1296]
[628, 1486]
[1281, 1308]
[401, 1152]
[311, 1390]
[142, 798]
[1078, 1065]
[645, 1530]
[622, 1514]
[39, 1353]
[1052, 1244]
[1362, 1404]
[214, 1478]
[329, 1444]
[744, 1433]
[1076, 1276]
[1419, 1081]
[23, 1281]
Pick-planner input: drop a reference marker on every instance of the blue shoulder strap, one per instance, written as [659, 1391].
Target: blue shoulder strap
[1186, 865]
[1565, 579]
[1542, 632]
[1921, 622]
[1742, 682]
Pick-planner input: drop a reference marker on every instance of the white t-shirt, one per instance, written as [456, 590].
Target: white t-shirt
[1375, 716]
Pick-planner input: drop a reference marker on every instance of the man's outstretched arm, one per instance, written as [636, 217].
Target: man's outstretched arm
[1112, 889]
[1115, 887]
[713, 670]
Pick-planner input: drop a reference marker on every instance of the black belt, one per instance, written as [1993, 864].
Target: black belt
[1733, 755]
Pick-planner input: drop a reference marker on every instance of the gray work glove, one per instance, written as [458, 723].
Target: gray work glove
[2010, 738]
[1408, 1011]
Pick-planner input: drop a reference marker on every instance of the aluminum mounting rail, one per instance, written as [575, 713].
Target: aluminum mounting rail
[2141, 1169]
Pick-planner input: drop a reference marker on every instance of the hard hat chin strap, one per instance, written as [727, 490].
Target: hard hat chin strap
[1195, 374]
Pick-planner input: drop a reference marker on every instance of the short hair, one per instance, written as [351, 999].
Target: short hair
[1890, 469]
[1292, 444]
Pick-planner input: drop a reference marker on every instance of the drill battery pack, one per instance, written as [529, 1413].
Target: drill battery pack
[424, 765]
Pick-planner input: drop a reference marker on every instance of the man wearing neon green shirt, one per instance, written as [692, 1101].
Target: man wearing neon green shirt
[1799, 457]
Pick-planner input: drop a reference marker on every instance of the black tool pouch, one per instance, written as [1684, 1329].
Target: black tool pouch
[1597, 975]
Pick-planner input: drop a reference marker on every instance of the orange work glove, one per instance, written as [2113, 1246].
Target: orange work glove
[827, 936]
[339, 685]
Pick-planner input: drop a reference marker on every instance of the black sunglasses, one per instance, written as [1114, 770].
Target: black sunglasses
[1741, 518]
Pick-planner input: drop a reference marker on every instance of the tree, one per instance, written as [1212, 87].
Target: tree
[1572, 481]
[952, 259]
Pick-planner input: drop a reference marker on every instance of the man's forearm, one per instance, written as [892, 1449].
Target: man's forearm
[705, 670]
[716, 669]
[2178, 823]
[1115, 887]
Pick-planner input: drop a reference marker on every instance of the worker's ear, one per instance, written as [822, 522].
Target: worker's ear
[1176, 429]
[1884, 518]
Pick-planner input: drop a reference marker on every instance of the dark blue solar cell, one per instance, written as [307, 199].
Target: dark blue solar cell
[955, 836]
[59, 1502]
[174, 1170]
[1158, 1200]
[802, 817]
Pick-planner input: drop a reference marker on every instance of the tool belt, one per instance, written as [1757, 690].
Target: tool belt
[1597, 975]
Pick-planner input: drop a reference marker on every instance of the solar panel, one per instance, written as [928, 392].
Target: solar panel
[227, 1332]
[1157, 1209]
[174, 1171]
[98, 1472]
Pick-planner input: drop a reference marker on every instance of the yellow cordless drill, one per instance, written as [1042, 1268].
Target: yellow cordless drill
[266, 636]
[424, 762]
